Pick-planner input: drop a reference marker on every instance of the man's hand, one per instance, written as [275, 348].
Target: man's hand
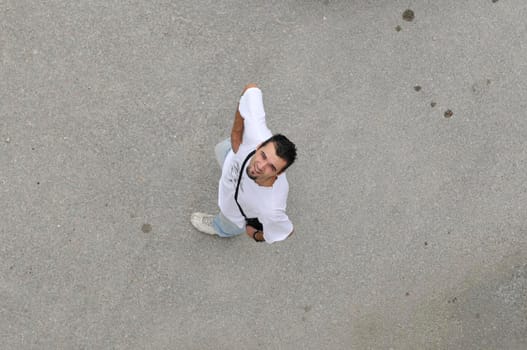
[248, 86]
[250, 232]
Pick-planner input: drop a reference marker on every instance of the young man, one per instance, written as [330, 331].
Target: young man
[253, 187]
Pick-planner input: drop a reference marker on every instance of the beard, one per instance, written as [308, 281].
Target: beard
[249, 174]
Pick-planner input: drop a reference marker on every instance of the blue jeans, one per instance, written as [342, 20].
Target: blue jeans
[223, 226]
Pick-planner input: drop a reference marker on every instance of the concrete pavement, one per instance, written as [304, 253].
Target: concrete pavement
[410, 226]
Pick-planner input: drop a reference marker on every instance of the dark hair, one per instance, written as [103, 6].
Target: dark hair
[285, 149]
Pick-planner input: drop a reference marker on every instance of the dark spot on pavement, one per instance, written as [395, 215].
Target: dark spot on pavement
[408, 15]
[398, 28]
[488, 81]
[448, 113]
[407, 293]
[146, 228]
[426, 244]
[477, 315]
[417, 88]
[38, 182]
[432, 104]
[307, 308]
[494, 1]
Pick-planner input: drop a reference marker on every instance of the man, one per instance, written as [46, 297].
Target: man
[253, 188]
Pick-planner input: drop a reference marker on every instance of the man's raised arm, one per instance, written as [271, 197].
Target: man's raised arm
[237, 127]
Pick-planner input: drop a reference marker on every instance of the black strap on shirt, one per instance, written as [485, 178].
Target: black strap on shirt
[239, 181]
[254, 222]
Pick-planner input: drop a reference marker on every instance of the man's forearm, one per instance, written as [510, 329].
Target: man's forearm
[237, 131]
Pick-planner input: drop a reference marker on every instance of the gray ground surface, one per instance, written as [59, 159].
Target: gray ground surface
[410, 227]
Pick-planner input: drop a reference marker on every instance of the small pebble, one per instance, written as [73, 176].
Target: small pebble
[417, 88]
[408, 15]
[146, 228]
[448, 113]
[432, 104]
[398, 28]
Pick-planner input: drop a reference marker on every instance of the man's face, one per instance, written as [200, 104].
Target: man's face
[265, 164]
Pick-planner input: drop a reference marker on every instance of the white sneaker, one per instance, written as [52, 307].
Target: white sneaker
[203, 223]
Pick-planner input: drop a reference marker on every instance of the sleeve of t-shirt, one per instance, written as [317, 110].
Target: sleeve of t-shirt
[252, 111]
[277, 228]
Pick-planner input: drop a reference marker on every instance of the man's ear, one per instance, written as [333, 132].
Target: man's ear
[282, 171]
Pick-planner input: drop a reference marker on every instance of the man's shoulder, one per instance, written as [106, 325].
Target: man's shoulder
[244, 150]
[276, 200]
[280, 188]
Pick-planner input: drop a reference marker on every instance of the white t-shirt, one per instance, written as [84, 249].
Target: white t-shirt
[268, 204]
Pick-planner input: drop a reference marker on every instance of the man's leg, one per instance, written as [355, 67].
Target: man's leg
[223, 226]
[221, 150]
[219, 224]
[215, 225]
[226, 228]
